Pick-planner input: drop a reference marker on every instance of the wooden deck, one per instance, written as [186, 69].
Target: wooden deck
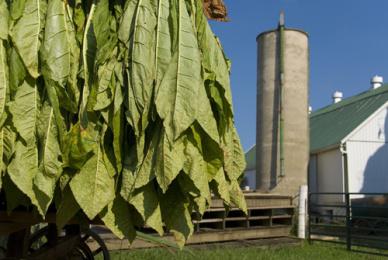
[268, 216]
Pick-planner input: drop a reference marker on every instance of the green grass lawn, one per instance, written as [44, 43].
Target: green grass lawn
[315, 251]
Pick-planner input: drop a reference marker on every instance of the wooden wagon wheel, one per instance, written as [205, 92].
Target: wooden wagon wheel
[41, 239]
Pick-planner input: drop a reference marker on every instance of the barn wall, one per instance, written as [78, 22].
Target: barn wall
[330, 176]
[368, 155]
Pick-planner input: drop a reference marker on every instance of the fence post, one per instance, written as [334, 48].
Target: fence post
[348, 223]
[309, 217]
[302, 211]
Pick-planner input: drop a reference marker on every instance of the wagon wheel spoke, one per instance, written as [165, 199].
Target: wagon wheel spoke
[101, 247]
[97, 251]
[85, 237]
[84, 249]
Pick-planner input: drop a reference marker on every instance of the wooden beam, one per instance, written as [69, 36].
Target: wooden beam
[205, 237]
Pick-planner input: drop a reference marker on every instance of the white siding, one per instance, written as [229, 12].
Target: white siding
[368, 155]
[330, 176]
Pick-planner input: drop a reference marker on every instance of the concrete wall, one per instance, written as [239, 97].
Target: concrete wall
[295, 108]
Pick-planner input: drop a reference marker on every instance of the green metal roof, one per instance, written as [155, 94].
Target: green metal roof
[331, 124]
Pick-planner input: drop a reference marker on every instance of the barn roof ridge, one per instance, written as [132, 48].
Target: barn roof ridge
[331, 124]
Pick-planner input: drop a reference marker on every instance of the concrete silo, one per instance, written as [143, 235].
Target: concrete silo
[282, 137]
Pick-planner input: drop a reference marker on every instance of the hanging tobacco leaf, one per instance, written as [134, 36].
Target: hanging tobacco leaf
[118, 110]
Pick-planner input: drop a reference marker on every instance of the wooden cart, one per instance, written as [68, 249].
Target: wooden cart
[46, 242]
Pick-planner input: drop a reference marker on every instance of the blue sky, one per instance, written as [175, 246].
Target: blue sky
[348, 45]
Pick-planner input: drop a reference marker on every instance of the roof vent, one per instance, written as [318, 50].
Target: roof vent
[337, 97]
[376, 81]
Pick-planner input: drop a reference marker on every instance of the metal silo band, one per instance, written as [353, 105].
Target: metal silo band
[281, 94]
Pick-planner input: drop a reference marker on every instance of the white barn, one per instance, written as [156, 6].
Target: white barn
[348, 146]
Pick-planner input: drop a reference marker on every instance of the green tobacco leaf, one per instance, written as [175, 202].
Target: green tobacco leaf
[146, 202]
[210, 150]
[56, 58]
[145, 172]
[50, 166]
[169, 161]
[177, 97]
[164, 34]
[117, 126]
[213, 58]
[17, 71]
[126, 24]
[234, 158]
[17, 8]
[93, 187]
[141, 72]
[56, 46]
[158, 241]
[24, 166]
[67, 209]
[103, 31]
[176, 214]
[104, 27]
[56, 55]
[4, 77]
[26, 32]
[4, 16]
[237, 196]
[25, 111]
[73, 89]
[89, 45]
[79, 18]
[14, 197]
[79, 145]
[194, 167]
[23, 169]
[206, 117]
[9, 138]
[220, 186]
[2, 166]
[106, 85]
[117, 217]
[143, 54]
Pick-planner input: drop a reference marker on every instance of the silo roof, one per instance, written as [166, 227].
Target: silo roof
[331, 124]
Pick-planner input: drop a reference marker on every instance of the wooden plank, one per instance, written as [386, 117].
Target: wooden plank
[255, 199]
[259, 218]
[253, 202]
[282, 216]
[32, 219]
[17, 244]
[252, 208]
[211, 220]
[207, 237]
[236, 218]
[58, 250]
[9, 228]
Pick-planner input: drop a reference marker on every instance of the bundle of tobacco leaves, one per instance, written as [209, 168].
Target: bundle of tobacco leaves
[118, 110]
